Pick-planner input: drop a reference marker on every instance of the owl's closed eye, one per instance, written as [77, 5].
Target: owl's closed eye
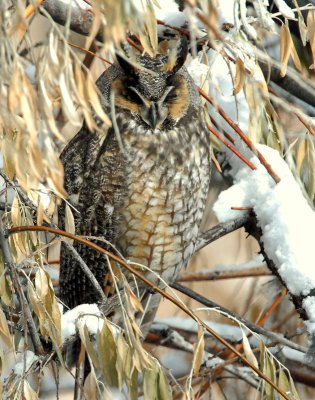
[155, 92]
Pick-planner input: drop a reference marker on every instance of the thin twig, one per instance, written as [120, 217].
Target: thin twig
[8, 263]
[216, 275]
[166, 295]
[257, 329]
[242, 135]
[86, 270]
[232, 148]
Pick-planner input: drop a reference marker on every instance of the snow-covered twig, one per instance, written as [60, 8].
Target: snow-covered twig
[242, 135]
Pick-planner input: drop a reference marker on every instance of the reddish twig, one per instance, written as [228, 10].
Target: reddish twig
[242, 208]
[89, 52]
[263, 318]
[182, 31]
[242, 135]
[133, 44]
[232, 148]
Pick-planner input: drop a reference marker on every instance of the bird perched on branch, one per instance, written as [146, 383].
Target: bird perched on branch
[143, 185]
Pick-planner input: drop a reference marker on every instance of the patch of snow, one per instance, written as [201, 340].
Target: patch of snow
[283, 214]
[30, 358]
[225, 10]
[221, 89]
[229, 332]
[256, 262]
[198, 71]
[88, 314]
[284, 9]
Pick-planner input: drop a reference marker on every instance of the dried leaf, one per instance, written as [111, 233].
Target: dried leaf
[310, 21]
[69, 221]
[295, 57]
[108, 355]
[270, 372]
[151, 26]
[5, 335]
[85, 338]
[67, 103]
[40, 213]
[29, 393]
[249, 352]
[285, 48]
[135, 302]
[199, 350]
[95, 102]
[240, 76]
[283, 382]
[302, 29]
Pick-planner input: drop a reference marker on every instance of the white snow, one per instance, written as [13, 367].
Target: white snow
[284, 9]
[283, 214]
[229, 332]
[88, 314]
[30, 358]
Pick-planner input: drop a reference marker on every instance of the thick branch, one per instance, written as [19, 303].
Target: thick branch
[81, 20]
[220, 230]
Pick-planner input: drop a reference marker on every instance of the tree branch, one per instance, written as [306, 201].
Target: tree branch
[214, 275]
[257, 329]
[81, 20]
[221, 230]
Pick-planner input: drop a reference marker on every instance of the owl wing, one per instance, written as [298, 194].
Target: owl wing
[94, 180]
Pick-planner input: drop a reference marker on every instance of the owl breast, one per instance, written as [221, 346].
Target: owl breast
[167, 176]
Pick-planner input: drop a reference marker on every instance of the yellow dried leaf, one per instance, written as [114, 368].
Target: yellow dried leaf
[240, 76]
[295, 57]
[135, 302]
[302, 29]
[108, 354]
[40, 213]
[249, 352]
[311, 31]
[199, 350]
[68, 106]
[69, 221]
[5, 335]
[29, 393]
[285, 48]
[41, 284]
[95, 102]
[151, 27]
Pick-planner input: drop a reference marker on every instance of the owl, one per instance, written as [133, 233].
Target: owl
[143, 184]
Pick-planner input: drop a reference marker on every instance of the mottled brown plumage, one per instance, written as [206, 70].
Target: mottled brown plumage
[143, 184]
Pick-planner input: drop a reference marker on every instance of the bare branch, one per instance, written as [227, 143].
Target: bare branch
[221, 230]
[81, 19]
[214, 275]
[257, 329]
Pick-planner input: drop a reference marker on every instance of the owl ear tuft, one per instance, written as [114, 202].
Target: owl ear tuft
[177, 56]
[123, 60]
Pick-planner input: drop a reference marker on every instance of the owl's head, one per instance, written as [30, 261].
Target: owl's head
[156, 90]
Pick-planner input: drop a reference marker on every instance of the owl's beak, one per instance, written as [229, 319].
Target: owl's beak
[153, 116]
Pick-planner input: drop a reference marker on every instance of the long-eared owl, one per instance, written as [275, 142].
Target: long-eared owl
[143, 185]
